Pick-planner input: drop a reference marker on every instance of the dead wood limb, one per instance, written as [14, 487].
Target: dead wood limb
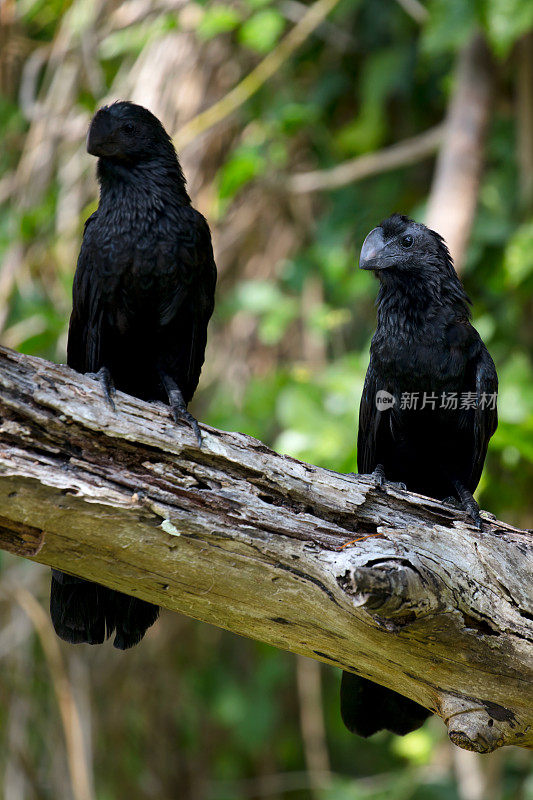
[393, 586]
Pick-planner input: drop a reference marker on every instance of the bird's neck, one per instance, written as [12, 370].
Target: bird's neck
[149, 186]
[409, 306]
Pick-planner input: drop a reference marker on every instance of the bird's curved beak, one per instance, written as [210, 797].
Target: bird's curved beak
[99, 140]
[372, 251]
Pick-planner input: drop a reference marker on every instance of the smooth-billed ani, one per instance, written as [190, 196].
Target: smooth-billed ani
[432, 436]
[142, 298]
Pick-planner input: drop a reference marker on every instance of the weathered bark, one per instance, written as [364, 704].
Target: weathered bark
[391, 585]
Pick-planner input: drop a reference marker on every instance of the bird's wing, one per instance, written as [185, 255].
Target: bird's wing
[486, 414]
[369, 419]
[86, 320]
[191, 295]
[193, 266]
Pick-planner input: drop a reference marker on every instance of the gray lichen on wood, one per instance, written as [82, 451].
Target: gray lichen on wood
[396, 587]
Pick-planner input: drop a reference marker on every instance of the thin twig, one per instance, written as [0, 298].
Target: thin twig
[77, 762]
[312, 724]
[257, 77]
[397, 155]
[334, 35]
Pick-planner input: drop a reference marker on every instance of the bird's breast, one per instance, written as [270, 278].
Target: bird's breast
[419, 359]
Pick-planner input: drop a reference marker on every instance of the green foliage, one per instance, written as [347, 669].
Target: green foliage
[315, 412]
[262, 30]
[382, 76]
[134, 38]
[506, 21]
[245, 163]
[518, 259]
[217, 19]
[450, 24]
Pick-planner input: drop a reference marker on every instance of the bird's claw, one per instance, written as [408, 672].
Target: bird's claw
[378, 476]
[188, 419]
[468, 504]
[381, 482]
[103, 376]
[473, 512]
[181, 415]
[470, 508]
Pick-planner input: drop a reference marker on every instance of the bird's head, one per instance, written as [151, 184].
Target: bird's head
[399, 247]
[127, 134]
[413, 262]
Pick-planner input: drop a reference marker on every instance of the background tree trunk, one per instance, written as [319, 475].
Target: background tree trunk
[454, 193]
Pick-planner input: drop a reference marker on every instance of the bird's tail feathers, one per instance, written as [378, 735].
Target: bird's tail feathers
[133, 618]
[367, 708]
[81, 611]
[86, 612]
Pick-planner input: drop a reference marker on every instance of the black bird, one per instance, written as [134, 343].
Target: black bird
[428, 407]
[142, 298]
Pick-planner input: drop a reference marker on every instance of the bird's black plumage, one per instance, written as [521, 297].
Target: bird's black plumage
[424, 347]
[142, 298]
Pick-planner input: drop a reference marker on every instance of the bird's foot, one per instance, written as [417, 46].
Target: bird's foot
[381, 481]
[103, 376]
[472, 509]
[178, 405]
[468, 504]
[181, 415]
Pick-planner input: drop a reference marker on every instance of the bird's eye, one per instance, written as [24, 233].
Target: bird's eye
[407, 241]
[128, 127]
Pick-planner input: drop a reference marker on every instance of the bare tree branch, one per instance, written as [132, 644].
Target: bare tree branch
[78, 767]
[402, 154]
[312, 724]
[391, 585]
[333, 34]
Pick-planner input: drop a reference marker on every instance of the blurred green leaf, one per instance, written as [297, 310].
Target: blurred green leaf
[450, 25]
[218, 19]
[416, 747]
[262, 30]
[257, 296]
[134, 38]
[244, 164]
[518, 258]
[382, 73]
[506, 21]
